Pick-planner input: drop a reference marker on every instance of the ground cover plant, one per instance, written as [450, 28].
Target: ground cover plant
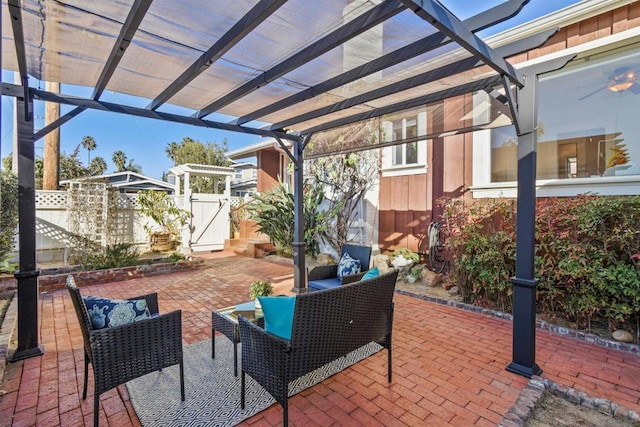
[587, 257]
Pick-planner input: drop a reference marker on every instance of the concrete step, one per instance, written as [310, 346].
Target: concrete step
[253, 248]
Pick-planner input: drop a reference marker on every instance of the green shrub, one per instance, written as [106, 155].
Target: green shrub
[113, 256]
[9, 212]
[273, 212]
[480, 243]
[406, 253]
[587, 256]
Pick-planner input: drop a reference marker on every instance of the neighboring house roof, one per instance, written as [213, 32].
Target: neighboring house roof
[252, 150]
[243, 165]
[127, 182]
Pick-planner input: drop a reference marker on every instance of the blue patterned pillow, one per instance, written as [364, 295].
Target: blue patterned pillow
[348, 266]
[106, 313]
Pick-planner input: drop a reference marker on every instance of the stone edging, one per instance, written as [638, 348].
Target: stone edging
[535, 391]
[567, 332]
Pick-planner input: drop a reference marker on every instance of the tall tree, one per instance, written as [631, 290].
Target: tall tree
[171, 149]
[89, 144]
[133, 167]
[193, 151]
[97, 166]
[71, 166]
[120, 160]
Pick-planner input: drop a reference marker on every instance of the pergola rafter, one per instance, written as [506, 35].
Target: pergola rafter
[244, 26]
[368, 20]
[427, 44]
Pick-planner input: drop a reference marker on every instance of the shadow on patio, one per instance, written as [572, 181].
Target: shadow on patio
[449, 364]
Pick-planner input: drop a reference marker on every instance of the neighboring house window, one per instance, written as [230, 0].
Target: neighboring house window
[410, 157]
[238, 174]
[588, 137]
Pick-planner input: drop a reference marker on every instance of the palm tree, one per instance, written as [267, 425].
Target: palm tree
[133, 167]
[120, 160]
[97, 166]
[89, 144]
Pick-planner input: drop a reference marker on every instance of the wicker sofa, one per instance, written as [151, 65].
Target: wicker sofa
[327, 325]
[326, 276]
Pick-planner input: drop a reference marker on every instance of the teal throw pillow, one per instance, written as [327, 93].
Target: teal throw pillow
[106, 313]
[374, 272]
[278, 315]
[348, 266]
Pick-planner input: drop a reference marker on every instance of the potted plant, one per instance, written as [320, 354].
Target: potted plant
[259, 288]
[168, 219]
[402, 259]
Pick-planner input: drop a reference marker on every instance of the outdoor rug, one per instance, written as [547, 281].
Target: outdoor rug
[212, 392]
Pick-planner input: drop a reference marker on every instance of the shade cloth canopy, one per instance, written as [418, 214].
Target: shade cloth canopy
[270, 64]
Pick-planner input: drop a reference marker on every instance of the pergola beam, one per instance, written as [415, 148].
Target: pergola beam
[447, 23]
[258, 14]
[427, 44]
[351, 29]
[411, 103]
[14, 90]
[424, 78]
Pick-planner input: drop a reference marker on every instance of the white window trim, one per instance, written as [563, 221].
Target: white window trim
[610, 186]
[389, 170]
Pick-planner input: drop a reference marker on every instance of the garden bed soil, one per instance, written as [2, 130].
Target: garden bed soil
[556, 411]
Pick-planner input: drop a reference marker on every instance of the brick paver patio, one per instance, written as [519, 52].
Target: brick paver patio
[449, 364]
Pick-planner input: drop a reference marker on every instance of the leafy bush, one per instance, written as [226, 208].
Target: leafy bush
[406, 253]
[273, 212]
[113, 256]
[160, 208]
[587, 259]
[9, 216]
[480, 241]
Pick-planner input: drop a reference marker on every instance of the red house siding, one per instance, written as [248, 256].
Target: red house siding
[408, 203]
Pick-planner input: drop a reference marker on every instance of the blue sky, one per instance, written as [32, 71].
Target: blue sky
[144, 140]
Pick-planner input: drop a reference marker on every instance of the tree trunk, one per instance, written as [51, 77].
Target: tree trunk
[51, 161]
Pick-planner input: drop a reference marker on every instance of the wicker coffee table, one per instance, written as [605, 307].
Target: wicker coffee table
[225, 321]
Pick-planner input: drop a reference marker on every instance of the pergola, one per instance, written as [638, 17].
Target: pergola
[277, 68]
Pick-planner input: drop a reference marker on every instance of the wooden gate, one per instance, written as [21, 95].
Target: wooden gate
[210, 223]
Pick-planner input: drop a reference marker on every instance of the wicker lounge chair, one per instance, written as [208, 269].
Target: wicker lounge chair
[121, 353]
[326, 276]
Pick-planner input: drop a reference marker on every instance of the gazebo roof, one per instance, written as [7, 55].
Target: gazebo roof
[201, 170]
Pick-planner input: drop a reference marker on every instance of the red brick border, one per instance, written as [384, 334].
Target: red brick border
[55, 278]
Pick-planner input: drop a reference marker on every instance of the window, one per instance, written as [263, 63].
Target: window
[407, 153]
[587, 129]
[410, 157]
[238, 174]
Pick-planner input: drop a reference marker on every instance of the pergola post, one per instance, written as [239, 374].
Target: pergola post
[27, 276]
[524, 282]
[299, 246]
